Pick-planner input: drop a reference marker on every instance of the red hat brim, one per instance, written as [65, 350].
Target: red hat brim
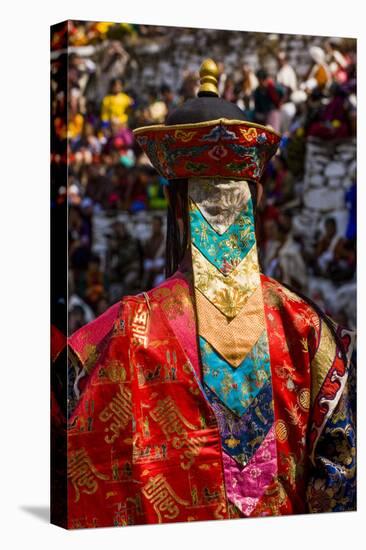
[223, 148]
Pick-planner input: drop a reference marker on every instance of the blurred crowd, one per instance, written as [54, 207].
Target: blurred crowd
[122, 76]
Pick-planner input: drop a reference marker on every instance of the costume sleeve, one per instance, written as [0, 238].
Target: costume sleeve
[84, 349]
[100, 484]
[331, 484]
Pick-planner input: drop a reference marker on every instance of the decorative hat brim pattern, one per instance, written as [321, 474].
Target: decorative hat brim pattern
[217, 148]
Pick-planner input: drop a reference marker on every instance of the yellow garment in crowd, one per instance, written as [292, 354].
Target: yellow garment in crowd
[321, 75]
[114, 107]
[75, 126]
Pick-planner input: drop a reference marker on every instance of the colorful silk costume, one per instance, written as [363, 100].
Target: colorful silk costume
[221, 393]
[232, 331]
[145, 443]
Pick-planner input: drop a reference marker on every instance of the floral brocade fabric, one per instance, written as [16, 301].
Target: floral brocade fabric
[233, 339]
[144, 442]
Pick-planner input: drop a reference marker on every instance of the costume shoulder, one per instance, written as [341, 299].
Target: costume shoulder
[92, 345]
[284, 292]
[294, 307]
[321, 327]
[330, 346]
[86, 344]
[86, 340]
[174, 296]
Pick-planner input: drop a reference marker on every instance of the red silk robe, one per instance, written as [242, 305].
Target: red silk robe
[143, 442]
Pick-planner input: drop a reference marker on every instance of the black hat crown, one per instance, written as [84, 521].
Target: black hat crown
[208, 105]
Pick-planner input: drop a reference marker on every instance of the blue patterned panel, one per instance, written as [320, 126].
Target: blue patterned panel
[236, 386]
[332, 483]
[224, 251]
[241, 437]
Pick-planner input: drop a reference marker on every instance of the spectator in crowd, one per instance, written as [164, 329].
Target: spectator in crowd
[189, 86]
[247, 84]
[75, 126]
[115, 104]
[343, 263]
[324, 252]
[337, 62]
[76, 317]
[123, 262]
[221, 78]
[280, 187]
[79, 247]
[319, 75]
[267, 101]
[229, 91]
[157, 110]
[270, 244]
[95, 282]
[286, 75]
[289, 265]
[80, 312]
[169, 98]
[154, 254]
[332, 120]
[335, 255]
[86, 145]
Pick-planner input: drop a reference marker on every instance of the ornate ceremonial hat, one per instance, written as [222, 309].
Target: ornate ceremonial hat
[208, 137]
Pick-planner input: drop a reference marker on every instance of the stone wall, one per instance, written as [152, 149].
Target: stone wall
[330, 170]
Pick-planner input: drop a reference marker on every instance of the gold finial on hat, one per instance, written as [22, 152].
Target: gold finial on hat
[209, 74]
